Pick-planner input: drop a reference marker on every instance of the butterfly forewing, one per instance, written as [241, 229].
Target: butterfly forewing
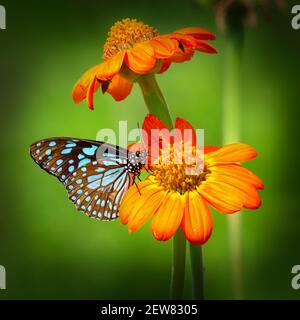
[95, 181]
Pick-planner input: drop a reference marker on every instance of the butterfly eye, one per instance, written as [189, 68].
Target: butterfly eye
[138, 153]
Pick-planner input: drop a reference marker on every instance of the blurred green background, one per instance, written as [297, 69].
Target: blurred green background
[52, 251]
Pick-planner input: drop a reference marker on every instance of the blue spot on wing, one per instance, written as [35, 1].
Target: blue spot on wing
[109, 155]
[71, 145]
[66, 151]
[84, 162]
[90, 151]
[94, 177]
[109, 163]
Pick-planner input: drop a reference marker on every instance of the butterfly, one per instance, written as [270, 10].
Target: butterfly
[95, 174]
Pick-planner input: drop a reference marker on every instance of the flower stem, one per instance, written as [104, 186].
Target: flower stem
[157, 106]
[197, 271]
[178, 266]
[154, 99]
[231, 132]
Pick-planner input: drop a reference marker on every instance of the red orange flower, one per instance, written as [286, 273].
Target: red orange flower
[133, 49]
[175, 199]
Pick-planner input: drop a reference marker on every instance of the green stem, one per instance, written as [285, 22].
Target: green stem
[154, 99]
[157, 106]
[178, 266]
[231, 133]
[197, 271]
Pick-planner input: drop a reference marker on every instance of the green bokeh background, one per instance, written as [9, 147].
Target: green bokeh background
[52, 251]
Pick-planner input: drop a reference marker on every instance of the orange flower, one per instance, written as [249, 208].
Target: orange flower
[176, 199]
[133, 49]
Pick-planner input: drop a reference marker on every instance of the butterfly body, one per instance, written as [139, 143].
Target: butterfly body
[95, 174]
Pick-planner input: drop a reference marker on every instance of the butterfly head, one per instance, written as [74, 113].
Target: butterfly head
[136, 161]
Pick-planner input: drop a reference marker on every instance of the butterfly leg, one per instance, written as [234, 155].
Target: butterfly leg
[138, 187]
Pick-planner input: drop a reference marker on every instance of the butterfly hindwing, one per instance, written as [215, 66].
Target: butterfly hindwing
[98, 190]
[95, 182]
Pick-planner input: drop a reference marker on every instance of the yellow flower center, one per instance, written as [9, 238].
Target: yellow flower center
[124, 34]
[177, 169]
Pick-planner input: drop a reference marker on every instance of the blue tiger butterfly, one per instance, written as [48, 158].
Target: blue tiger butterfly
[95, 174]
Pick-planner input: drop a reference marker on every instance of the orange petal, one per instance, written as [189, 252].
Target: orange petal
[187, 130]
[151, 122]
[251, 199]
[205, 47]
[185, 39]
[208, 149]
[163, 47]
[182, 54]
[168, 217]
[90, 93]
[197, 223]
[225, 198]
[150, 203]
[104, 71]
[141, 58]
[236, 170]
[165, 65]
[235, 152]
[80, 89]
[110, 67]
[132, 196]
[198, 33]
[119, 88]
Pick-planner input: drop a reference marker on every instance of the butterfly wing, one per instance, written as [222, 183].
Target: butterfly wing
[95, 181]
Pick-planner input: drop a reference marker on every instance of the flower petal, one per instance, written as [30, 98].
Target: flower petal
[104, 71]
[197, 32]
[197, 223]
[131, 199]
[151, 122]
[186, 40]
[165, 65]
[163, 47]
[236, 170]
[187, 130]
[155, 135]
[168, 217]
[141, 58]
[225, 198]
[208, 149]
[110, 67]
[119, 88]
[251, 199]
[80, 89]
[182, 54]
[151, 199]
[205, 47]
[90, 93]
[231, 153]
